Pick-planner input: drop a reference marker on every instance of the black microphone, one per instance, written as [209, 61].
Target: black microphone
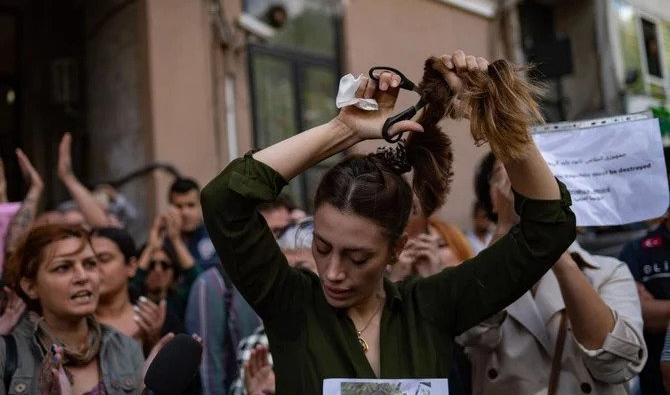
[175, 367]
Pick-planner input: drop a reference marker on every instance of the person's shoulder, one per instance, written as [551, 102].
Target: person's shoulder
[124, 344]
[610, 267]
[211, 276]
[210, 282]
[200, 232]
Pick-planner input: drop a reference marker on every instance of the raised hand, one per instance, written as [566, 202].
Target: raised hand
[3, 183]
[404, 266]
[173, 223]
[259, 378]
[65, 157]
[458, 64]
[30, 175]
[426, 249]
[368, 124]
[155, 240]
[150, 318]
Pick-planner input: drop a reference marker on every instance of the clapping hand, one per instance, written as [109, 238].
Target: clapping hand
[259, 378]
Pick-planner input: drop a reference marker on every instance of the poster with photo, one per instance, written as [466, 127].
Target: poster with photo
[385, 387]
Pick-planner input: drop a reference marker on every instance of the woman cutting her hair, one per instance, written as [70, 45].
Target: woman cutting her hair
[349, 322]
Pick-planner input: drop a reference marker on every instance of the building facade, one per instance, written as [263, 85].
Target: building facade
[196, 83]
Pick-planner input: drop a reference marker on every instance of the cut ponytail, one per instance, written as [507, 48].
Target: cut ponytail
[502, 107]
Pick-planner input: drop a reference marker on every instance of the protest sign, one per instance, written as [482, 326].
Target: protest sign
[386, 386]
[613, 167]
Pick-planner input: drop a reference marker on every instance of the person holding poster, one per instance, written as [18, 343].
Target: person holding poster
[349, 322]
[577, 331]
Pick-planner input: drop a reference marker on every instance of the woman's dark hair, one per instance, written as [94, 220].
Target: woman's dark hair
[483, 187]
[31, 253]
[366, 186]
[123, 240]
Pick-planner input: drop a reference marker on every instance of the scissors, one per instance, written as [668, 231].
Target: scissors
[407, 84]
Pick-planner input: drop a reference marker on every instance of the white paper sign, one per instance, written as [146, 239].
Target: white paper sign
[386, 387]
[615, 172]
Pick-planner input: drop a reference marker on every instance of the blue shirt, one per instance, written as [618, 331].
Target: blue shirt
[221, 317]
[202, 248]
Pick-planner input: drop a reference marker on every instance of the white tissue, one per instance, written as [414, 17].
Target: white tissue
[346, 94]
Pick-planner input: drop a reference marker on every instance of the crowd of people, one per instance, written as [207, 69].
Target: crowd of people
[371, 286]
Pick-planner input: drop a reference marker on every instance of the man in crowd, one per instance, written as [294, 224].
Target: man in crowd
[219, 314]
[649, 261]
[184, 199]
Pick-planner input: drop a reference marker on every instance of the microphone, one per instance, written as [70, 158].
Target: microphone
[175, 367]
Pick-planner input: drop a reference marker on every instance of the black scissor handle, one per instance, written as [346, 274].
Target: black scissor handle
[403, 116]
[405, 83]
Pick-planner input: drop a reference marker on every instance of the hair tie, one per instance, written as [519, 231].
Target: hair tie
[395, 157]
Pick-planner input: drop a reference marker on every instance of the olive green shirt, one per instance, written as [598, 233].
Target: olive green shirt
[312, 341]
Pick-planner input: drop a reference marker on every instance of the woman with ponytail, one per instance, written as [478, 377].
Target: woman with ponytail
[349, 322]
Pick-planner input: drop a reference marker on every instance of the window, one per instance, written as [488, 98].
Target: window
[652, 48]
[294, 75]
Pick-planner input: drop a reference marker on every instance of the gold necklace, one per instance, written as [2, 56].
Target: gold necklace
[359, 334]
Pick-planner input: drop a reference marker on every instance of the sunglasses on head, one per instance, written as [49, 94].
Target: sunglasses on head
[165, 265]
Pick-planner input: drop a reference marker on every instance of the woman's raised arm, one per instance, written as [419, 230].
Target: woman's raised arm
[529, 173]
[302, 151]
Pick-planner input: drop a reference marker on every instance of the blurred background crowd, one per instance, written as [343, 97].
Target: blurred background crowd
[114, 112]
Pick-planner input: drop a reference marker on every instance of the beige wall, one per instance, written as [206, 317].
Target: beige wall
[180, 89]
[403, 34]
[232, 66]
[188, 68]
[188, 71]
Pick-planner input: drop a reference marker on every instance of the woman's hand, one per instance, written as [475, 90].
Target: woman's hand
[3, 183]
[368, 124]
[426, 248]
[173, 223]
[13, 311]
[259, 378]
[155, 241]
[31, 176]
[404, 266]
[457, 64]
[150, 318]
[65, 171]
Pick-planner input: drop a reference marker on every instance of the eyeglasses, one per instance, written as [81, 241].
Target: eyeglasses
[165, 265]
